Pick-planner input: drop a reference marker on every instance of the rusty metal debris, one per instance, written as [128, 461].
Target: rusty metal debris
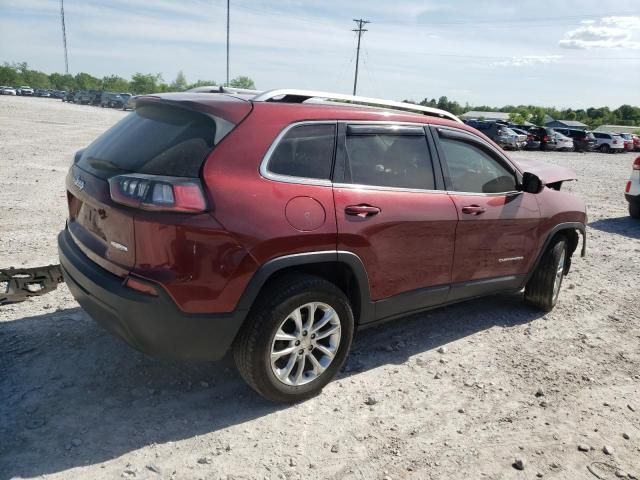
[17, 284]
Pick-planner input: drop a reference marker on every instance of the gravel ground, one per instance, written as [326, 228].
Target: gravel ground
[467, 391]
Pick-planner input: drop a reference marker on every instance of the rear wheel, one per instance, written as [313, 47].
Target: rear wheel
[543, 288]
[295, 339]
[634, 210]
[604, 148]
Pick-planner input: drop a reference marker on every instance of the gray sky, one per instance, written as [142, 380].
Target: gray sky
[569, 53]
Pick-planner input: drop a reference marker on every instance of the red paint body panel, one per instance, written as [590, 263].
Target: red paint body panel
[418, 240]
[491, 244]
[407, 246]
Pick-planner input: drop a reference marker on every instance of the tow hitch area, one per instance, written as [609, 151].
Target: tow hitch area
[17, 284]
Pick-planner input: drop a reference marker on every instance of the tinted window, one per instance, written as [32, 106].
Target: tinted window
[472, 169]
[305, 151]
[387, 160]
[157, 140]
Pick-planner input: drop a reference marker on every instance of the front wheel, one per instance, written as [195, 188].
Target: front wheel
[634, 210]
[296, 338]
[543, 288]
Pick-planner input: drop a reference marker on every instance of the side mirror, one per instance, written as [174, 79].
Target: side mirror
[531, 183]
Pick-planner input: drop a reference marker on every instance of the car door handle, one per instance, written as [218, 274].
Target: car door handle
[362, 211]
[473, 210]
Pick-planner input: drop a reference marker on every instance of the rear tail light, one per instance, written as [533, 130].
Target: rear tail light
[628, 187]
[158, 193]
[636, 164]
[615, 141]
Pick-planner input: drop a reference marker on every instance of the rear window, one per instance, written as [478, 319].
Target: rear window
[156, 140]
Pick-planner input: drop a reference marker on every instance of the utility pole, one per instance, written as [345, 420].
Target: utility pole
[227, 84]
[64, 38]
[360, 31]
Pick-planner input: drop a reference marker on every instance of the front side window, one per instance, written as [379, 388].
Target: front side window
[474, 170]
[387, 160]
[305, 151]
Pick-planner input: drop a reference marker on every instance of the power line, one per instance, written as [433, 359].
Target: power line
[64, 38]
[228, 18]
[360, 31]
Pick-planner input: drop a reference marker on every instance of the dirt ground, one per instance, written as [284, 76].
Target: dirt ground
[456, 393]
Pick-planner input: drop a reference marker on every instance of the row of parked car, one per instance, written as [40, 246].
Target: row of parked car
[100, 98]
[83, 97]
[523, 137]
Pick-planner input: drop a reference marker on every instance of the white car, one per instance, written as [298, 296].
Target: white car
[563, 143]
[7, 91]
[608, 142]
[28, 91]
[632, 190]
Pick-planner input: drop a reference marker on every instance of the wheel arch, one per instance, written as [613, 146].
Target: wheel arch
[572, 231]
[344, 269]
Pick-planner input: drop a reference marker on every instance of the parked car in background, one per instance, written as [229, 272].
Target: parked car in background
[130, 103]
[609, 142]
[636, 142]
[69, 96]
[632, 190]
[119, 100]
[563, 143]
[340, 238]
[106, 99]
[495, 131]
[94, 97]
[583, 141]
[26, 91]
[516, 141]
[82, 97]
[628, 141]
[7, 91]
[544, 135]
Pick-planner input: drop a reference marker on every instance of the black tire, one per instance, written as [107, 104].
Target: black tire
[252, 347]
[604, 148]
[539, 290]
[634, 210]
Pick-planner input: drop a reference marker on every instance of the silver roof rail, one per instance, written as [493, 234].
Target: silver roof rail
[222, 89]
[287, 95]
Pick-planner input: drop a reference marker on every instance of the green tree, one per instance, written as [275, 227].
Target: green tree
[242, 82]
[145, 83]
[114, 83]
[537, 116]
[84, 81]
[203, 83]
[517, 118]
[9, 75]
[180, 83]
[62, 82]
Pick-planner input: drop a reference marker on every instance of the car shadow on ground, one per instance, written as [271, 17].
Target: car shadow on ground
[626, 226]
[71, 395]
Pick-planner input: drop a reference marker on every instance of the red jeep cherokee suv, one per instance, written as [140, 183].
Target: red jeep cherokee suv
[276, 224]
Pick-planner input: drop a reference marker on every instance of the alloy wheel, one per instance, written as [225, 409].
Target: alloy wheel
[305, 344]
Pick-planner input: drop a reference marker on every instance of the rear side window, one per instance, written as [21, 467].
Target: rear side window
[388, 160]
[305, 151]
[156, 140]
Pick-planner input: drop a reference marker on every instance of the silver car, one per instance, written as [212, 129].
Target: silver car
[563, 143]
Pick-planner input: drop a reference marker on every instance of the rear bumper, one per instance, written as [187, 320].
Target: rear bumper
[153, 325]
